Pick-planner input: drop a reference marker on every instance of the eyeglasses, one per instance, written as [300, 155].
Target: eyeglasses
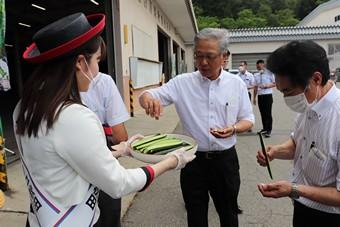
[209, 57]
[292, 91]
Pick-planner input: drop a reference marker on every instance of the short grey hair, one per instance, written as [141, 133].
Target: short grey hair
[221, 35]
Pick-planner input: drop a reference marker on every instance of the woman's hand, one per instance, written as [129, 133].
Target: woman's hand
[183, 157]
[124, 148]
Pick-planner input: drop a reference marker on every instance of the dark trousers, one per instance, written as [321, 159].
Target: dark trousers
[109, 211]
[218, 177]
[265, 105]
[305, 216]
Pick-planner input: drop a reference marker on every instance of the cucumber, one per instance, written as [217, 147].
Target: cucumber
[147, 139]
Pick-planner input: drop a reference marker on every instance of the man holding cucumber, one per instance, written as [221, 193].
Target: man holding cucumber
[302, 75]
[213, 105]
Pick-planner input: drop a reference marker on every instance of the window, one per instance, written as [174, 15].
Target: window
[337, 18]
[333, 49]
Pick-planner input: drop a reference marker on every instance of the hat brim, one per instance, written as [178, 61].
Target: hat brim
[33, 55]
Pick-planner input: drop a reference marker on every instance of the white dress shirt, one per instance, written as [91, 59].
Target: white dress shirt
[73, 155]
[104, 99]
[248, 78]
[318, 164]
[264, 78]
[203, 104]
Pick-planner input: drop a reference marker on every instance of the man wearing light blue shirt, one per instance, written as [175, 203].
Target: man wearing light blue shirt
[213, 106]
[264, 83]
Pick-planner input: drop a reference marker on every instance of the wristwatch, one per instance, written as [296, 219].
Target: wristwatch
[294, 194]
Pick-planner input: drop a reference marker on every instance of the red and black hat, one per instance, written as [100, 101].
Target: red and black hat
[63, 36]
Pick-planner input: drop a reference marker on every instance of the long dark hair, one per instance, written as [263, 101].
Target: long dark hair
[51, 87]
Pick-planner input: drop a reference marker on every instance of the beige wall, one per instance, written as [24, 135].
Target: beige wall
[251, 47]
[325, 18]
[146, 17]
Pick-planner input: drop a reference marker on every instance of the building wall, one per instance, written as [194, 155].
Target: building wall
[145, 17]
[268, 47]
[324, 18]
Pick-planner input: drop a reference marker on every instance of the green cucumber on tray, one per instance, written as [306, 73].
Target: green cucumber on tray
[160, 144]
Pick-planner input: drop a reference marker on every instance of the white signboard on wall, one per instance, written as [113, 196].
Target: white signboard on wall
[142, 43]
[145, 72]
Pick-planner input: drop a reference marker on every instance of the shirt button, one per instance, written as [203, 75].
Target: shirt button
[309, 118]
[304, 138]
[211, 117]
[293, 174]
[300, 156]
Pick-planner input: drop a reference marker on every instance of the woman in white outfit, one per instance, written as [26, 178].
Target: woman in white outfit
[62, 144]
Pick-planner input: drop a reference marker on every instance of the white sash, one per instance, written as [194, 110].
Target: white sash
[50, 213]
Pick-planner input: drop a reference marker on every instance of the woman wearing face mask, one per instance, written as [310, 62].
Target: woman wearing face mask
[302, 74]
[62, 144]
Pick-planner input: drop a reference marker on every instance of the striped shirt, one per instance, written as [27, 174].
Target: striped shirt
[264, 78]
[317, 139]
[202, 104]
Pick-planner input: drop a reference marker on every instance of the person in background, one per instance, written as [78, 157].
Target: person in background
[104, 99]
[61, 142]
[302, 76]
[213, 106]
[246, 76]
[225, 62]
[263, 89]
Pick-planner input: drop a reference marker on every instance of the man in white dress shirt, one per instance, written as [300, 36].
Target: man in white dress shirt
[302, 75]
[263, 89]
[246, 76]
[213, 106]
[104, 99]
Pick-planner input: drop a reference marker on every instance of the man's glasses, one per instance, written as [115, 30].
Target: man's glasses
[209, 57]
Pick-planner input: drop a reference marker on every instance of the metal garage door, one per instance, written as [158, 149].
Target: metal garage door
[250, 58]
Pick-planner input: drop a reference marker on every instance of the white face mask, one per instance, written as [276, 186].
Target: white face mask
[298, 103]
[90, 77]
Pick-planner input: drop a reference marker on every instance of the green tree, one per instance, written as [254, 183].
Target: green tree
[228, 23]
[247, 19]
[208, 22]
[286, 17]
[252, 13]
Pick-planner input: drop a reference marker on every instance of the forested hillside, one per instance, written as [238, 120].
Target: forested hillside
[252, 13]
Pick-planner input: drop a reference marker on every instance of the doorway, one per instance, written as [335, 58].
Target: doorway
[163, 54]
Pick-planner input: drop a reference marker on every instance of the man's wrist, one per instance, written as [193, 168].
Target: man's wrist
[294, 193]
[234, 129]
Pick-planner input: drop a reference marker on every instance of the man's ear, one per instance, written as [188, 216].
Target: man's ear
[80, 62]
[317, 78]
[225, 56]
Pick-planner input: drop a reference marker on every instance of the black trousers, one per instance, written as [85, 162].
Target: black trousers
[265, 105]
[305, 216]
[218, 177]
[109, 211]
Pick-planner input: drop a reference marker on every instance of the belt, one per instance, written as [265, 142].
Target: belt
[214, 154]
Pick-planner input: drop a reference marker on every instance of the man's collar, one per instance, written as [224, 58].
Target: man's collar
[326, 102]
[219, 78]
